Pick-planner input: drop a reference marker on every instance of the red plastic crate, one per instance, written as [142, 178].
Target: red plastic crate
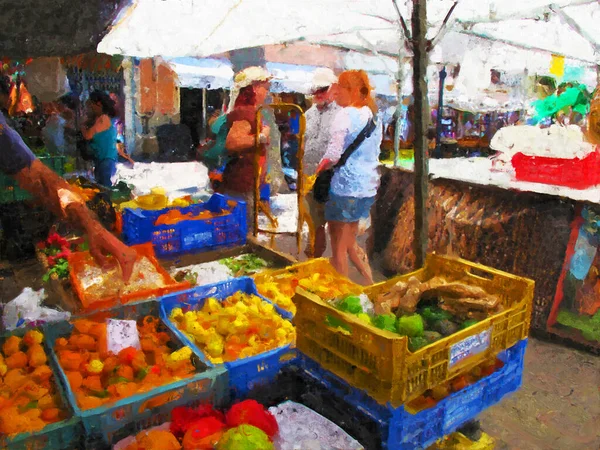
[576, 173]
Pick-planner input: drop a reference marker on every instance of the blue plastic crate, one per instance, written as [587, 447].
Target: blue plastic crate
[64, 434]
[401, 430]
[191, 235]
[245, 373]
[140, 411]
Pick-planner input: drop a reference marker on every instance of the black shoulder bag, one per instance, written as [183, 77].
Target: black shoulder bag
[322, 184]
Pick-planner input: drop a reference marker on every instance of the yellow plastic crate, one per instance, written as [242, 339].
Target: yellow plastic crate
[379, 361]
[339, 285]
[458, 441]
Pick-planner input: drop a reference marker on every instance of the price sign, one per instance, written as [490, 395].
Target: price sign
[122, 334]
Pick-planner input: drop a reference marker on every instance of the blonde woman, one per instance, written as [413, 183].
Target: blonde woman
[354, 185]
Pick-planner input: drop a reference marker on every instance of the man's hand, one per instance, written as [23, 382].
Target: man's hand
[102, 243]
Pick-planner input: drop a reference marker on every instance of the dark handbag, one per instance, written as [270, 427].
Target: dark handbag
[322, 184]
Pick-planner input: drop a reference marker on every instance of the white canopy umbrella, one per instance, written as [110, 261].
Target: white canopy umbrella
[174, 28]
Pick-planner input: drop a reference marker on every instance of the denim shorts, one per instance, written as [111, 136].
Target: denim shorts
[348, 209]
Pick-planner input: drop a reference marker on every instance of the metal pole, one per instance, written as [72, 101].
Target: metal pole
[204, 115]
[440, 108]
[422, 118]
[400, 82]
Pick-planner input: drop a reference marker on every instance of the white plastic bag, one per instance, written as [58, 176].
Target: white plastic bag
[27, 309]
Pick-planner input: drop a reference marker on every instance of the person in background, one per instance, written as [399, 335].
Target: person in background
[17, 161]
[58, 134]
[101, 135]
[251, 88]
[118, 123]
[354, 185]
[319, 121]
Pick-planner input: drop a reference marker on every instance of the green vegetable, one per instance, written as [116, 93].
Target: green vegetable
[385, 322]
[433, 314]
[468, 323]
[351, 304]
[100, 394]
[365, 318]
[245, 264]
[417, 342]
[334, 322]
[142, 374]
[117, 380]
[411, 326]
[31, 405]
[60, 270]
[432, 336]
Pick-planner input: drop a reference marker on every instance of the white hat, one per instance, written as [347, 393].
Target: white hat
[244, 79]
[251, 75]
[323, 77]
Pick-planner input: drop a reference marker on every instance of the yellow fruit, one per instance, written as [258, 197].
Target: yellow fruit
[176, 314]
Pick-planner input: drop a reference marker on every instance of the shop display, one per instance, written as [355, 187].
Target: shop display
[99, 282]
[424, 312]
[402, 357]
[241, 326]
[218, 222]
[174, 216]
[97, 376]
[431, 397]
[246, 425]
[29, 399]
[100, 287]
[576, 308]
[222, 270]
[317, 277]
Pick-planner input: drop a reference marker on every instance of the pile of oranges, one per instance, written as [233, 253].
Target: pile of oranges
[98, 377]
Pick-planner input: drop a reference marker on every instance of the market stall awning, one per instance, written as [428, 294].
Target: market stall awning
[35, 28]
[171, 27]
[291, 77]
[203, 73]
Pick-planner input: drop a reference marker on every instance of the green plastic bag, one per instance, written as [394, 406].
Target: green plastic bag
[215, 157]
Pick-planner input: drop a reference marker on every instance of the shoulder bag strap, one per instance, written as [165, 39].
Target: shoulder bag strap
[365, 133]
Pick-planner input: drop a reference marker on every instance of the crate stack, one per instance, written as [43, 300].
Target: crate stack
[373, 371]
[362, 378]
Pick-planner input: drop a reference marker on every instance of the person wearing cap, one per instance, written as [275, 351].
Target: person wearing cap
[18, 161]
[319, 119]
[250, 91]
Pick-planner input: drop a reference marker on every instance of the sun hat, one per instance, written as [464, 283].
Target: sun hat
[245, 78]
[323, 78]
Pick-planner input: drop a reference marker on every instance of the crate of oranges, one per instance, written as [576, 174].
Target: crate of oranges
[34, 411]
[110, 389]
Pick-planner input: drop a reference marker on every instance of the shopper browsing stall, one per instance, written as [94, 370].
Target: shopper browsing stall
[319, 121]
[101, 135]
[17, 160]
[250, 93]
[356, 178]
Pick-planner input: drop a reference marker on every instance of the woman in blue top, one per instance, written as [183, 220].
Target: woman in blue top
[102, 137]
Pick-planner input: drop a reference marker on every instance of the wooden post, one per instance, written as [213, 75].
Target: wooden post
[422, 118]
